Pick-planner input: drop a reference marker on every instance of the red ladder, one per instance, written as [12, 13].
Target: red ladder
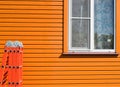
[11, 70]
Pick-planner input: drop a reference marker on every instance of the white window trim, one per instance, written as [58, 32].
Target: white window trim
[70, 48]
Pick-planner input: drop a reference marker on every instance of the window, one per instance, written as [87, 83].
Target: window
[91, 26]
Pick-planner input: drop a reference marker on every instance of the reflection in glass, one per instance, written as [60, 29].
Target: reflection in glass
[104, 24]
[80, 8]
[80, 33]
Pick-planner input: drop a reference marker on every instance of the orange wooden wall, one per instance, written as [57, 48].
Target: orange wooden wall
[39, 25]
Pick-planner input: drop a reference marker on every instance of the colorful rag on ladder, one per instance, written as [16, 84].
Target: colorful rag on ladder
[11, 69]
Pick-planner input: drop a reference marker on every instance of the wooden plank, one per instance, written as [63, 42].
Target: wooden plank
[30, 20]
[117, 26]
[58, 38]
[49, 59]
[32, 11]
[39, 55]
[72, 82]
[60, 64]
[39, 46]
[69, 68]
[39, 59]
[76, 60]
[31, 24]
[25, 29]
[27, 16]
[71, 60]
[34, 0]
[66, 24]
[65, 60]
[92, 77]
[39, 51]
[30, 7]
[75, 85]
[61, 59]
[30, 33]
[30, 3]
[36, 43]
[71, 73]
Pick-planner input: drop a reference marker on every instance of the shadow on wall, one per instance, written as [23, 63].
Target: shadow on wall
[89, 55]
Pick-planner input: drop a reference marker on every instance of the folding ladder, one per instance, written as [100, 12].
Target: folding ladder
[11, 69]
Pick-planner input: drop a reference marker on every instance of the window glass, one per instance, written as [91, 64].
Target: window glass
[80, 8]
[80, 33]
[104, 24]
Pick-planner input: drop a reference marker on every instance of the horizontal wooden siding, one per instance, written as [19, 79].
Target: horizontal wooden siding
[39, 25]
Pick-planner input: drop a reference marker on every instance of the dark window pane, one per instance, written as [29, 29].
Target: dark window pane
[80, 8]
[104, 24]
[80, 33]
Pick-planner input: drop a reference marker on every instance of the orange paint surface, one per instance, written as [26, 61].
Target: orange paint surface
[42, 26]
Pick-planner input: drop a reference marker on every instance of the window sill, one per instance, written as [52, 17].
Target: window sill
[92, 53]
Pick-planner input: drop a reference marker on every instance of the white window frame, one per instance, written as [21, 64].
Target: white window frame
[76, 49]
